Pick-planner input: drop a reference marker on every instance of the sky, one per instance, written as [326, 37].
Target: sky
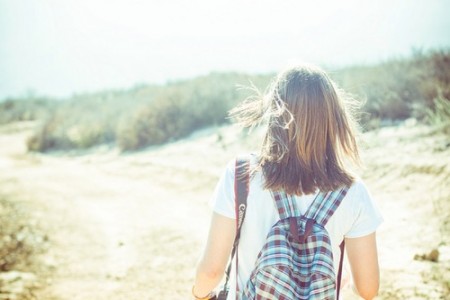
[59, 47]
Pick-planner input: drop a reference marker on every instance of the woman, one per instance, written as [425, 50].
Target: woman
[308, 147]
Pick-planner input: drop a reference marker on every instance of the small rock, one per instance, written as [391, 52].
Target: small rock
[432, 256]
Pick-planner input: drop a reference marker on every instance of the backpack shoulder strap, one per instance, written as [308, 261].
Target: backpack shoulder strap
[322, 208]
[325, 204]
[285, 204]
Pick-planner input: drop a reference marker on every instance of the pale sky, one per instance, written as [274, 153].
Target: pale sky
[58, 47]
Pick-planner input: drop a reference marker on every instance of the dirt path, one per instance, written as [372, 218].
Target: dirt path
[408, 172]
[113, 227]
[131, 226]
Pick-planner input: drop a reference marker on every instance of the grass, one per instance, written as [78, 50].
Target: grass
[20, 244]
[439, 116]
[20, 240]
[391, 91]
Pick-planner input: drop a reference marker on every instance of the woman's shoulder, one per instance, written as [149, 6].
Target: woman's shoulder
[361, 208]
[231, 164]
[358, 186]
[358, 195]
[252, 157]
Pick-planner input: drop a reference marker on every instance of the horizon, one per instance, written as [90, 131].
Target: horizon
[58, 49]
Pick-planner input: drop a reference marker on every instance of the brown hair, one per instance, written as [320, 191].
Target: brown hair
[310, 135]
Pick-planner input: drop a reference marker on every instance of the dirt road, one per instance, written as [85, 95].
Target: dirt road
[131, 226]
[119, 228]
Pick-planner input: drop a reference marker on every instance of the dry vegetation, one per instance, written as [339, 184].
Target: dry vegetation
[20, 245]
[150, 115]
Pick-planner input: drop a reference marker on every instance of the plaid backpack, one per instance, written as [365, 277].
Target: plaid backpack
[296, 261]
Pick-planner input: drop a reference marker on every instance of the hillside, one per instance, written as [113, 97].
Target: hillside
[148, 115]
[132, 225]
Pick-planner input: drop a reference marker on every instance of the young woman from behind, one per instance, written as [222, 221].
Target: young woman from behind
[309, 147]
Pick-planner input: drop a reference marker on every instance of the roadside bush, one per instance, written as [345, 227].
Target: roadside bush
[143, 116]
[82, 122]
[439, 116]
[70, 130]
[180, 111]
[391, 91]
[19, 240]
[399, 88]
[27, 109]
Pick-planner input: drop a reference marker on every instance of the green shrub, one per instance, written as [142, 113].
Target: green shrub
[79, 123]
[393, 90]
[20, 240]
[182, 109]
[27, 109]
[399, 88]
[439, 116]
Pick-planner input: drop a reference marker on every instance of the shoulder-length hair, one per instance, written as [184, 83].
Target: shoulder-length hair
[310, 137]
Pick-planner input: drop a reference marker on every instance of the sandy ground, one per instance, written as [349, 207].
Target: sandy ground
[131, 226]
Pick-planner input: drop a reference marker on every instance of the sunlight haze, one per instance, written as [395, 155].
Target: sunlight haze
[57, 48]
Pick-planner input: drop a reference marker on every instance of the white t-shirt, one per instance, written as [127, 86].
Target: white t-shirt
[356, 216]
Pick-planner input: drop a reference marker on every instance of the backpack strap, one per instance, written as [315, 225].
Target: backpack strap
[241, 188]
[286, 204]
[341, 263]
[321, 210]
[325, 204]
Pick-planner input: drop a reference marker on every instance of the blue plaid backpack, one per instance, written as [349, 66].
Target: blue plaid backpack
[296, 261]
